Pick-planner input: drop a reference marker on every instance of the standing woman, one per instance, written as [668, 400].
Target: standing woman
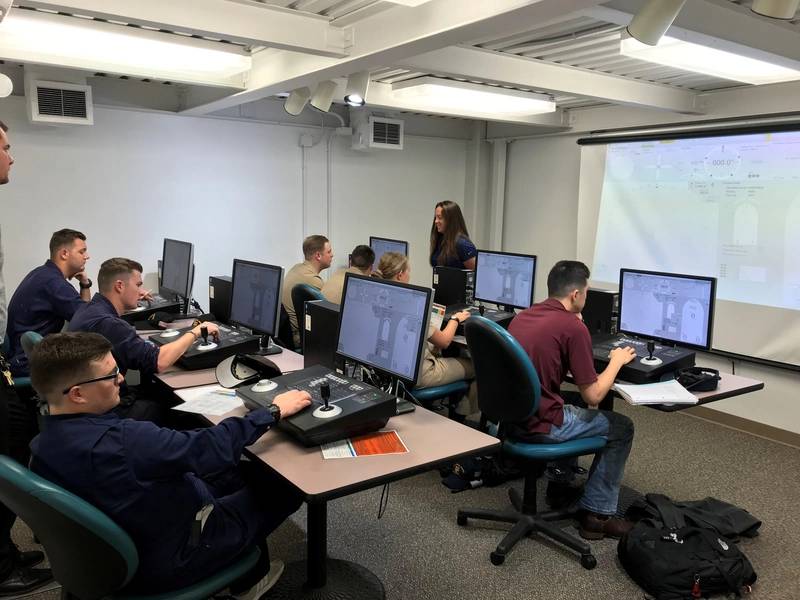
[450, 243]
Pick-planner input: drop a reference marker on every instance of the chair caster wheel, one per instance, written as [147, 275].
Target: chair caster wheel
[588, 561]
[497, 559]
[461, 520]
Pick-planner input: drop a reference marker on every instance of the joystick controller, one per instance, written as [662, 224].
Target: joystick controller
[481, 309]
[650, 359]
[327, 410]
[206, 345]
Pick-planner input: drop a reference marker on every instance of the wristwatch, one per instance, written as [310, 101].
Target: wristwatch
[85, 286]
[275, 411]
[455, 319]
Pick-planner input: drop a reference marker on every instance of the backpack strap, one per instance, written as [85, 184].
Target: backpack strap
[671, 516]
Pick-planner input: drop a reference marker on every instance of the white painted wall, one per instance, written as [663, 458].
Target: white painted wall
[234, 188]
[541, 218]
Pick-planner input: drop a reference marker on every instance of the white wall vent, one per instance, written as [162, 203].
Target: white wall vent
[58, 103]
[377, 132]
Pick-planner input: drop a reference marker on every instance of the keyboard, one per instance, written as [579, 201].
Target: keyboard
[340, 388]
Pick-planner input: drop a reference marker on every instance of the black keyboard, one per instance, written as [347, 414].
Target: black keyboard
[340, 388]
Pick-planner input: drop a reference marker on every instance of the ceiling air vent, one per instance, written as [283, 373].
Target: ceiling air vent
[59, 103]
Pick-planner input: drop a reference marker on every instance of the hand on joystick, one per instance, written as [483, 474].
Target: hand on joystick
[204, 335]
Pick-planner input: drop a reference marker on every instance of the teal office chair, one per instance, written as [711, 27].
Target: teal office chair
[449, 394]
[302, 293]
[90, 555]
[509, 392]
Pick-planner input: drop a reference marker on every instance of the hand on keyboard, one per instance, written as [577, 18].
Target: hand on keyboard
[622, 356]
[292, 402]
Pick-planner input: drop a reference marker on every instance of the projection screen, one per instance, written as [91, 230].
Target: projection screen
[725, 206]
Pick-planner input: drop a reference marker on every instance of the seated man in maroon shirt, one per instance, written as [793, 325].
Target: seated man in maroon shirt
[558, 342]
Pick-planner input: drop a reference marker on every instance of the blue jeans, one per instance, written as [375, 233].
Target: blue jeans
[605, 476]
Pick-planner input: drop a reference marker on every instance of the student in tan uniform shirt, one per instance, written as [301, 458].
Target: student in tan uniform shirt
[361, 260]
[318, 256]
[436, 370]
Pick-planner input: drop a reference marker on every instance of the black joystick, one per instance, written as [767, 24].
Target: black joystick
[481, 309]
[325, 392]
[651, 346]
[204, 334]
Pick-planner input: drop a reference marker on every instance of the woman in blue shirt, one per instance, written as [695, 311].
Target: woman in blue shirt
[450, 243]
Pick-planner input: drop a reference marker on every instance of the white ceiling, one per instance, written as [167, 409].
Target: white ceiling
[566, 48]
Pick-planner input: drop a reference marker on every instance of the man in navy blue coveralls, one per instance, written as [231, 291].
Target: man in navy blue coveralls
[185, 499]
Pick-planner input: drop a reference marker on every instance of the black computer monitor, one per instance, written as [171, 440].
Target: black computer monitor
[381, 246]
[176, 268]
[384, 325]
[256, 296]
[505, 278]
[667, 307]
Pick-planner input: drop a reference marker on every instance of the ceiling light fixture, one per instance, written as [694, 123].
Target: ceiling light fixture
[653, 20]
[95, 46]
[777, 9]
[296, 101]
[462, 97]
[323, 95]
[356, 91]
[679, 54]
[408, 2]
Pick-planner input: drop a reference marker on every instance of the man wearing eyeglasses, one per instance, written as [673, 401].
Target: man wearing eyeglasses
[120, 282]
[184, 498]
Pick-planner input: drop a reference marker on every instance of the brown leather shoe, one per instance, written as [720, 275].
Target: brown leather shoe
[596, 527]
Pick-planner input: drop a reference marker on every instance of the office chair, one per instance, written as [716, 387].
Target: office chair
[450, 393]
[302, 293]
[90, 555]
[509, 392]
[284, 337]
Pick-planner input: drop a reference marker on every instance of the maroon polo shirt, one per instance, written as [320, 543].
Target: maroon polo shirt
[557, 342]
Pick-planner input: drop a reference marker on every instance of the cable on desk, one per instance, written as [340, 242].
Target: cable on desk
[384, 501]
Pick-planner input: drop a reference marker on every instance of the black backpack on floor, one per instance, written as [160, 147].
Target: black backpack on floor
[671, 560]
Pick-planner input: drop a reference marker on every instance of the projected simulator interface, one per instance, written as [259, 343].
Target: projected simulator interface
[504, 278]
[382, 325]
[255, 293]
[669, 307]
[728, 206]
[176, 268]
[380, 246]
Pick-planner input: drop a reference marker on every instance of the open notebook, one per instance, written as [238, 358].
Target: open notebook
[663, 392]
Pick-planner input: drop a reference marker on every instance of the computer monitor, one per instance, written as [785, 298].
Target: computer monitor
[381, 246]
[384, 325]
[667, 307]
[505, 278]
[176, 269]
[256, 297]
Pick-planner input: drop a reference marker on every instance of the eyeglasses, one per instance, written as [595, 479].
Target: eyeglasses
[112, 375]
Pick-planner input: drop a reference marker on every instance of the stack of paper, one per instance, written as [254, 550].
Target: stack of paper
[664, 392]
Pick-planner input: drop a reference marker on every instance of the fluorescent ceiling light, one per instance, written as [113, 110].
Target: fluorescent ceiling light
[94, 46]
[710, 61]
[461, 97]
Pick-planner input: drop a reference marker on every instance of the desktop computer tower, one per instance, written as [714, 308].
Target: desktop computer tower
[219, 297]
[601, 310]
[453, 286]
[321, 335]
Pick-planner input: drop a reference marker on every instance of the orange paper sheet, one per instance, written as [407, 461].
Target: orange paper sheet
[379, 442]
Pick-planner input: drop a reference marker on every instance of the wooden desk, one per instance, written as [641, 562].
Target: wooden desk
[178, 378]
[431, 440]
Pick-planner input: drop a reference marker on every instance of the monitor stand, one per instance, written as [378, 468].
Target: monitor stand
[267, 347]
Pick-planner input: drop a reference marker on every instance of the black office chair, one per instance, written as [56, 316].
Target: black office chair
[90, 555]
[509, 392]
[302, 293]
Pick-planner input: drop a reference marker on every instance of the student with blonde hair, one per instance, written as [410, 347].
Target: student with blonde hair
[436, 370]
